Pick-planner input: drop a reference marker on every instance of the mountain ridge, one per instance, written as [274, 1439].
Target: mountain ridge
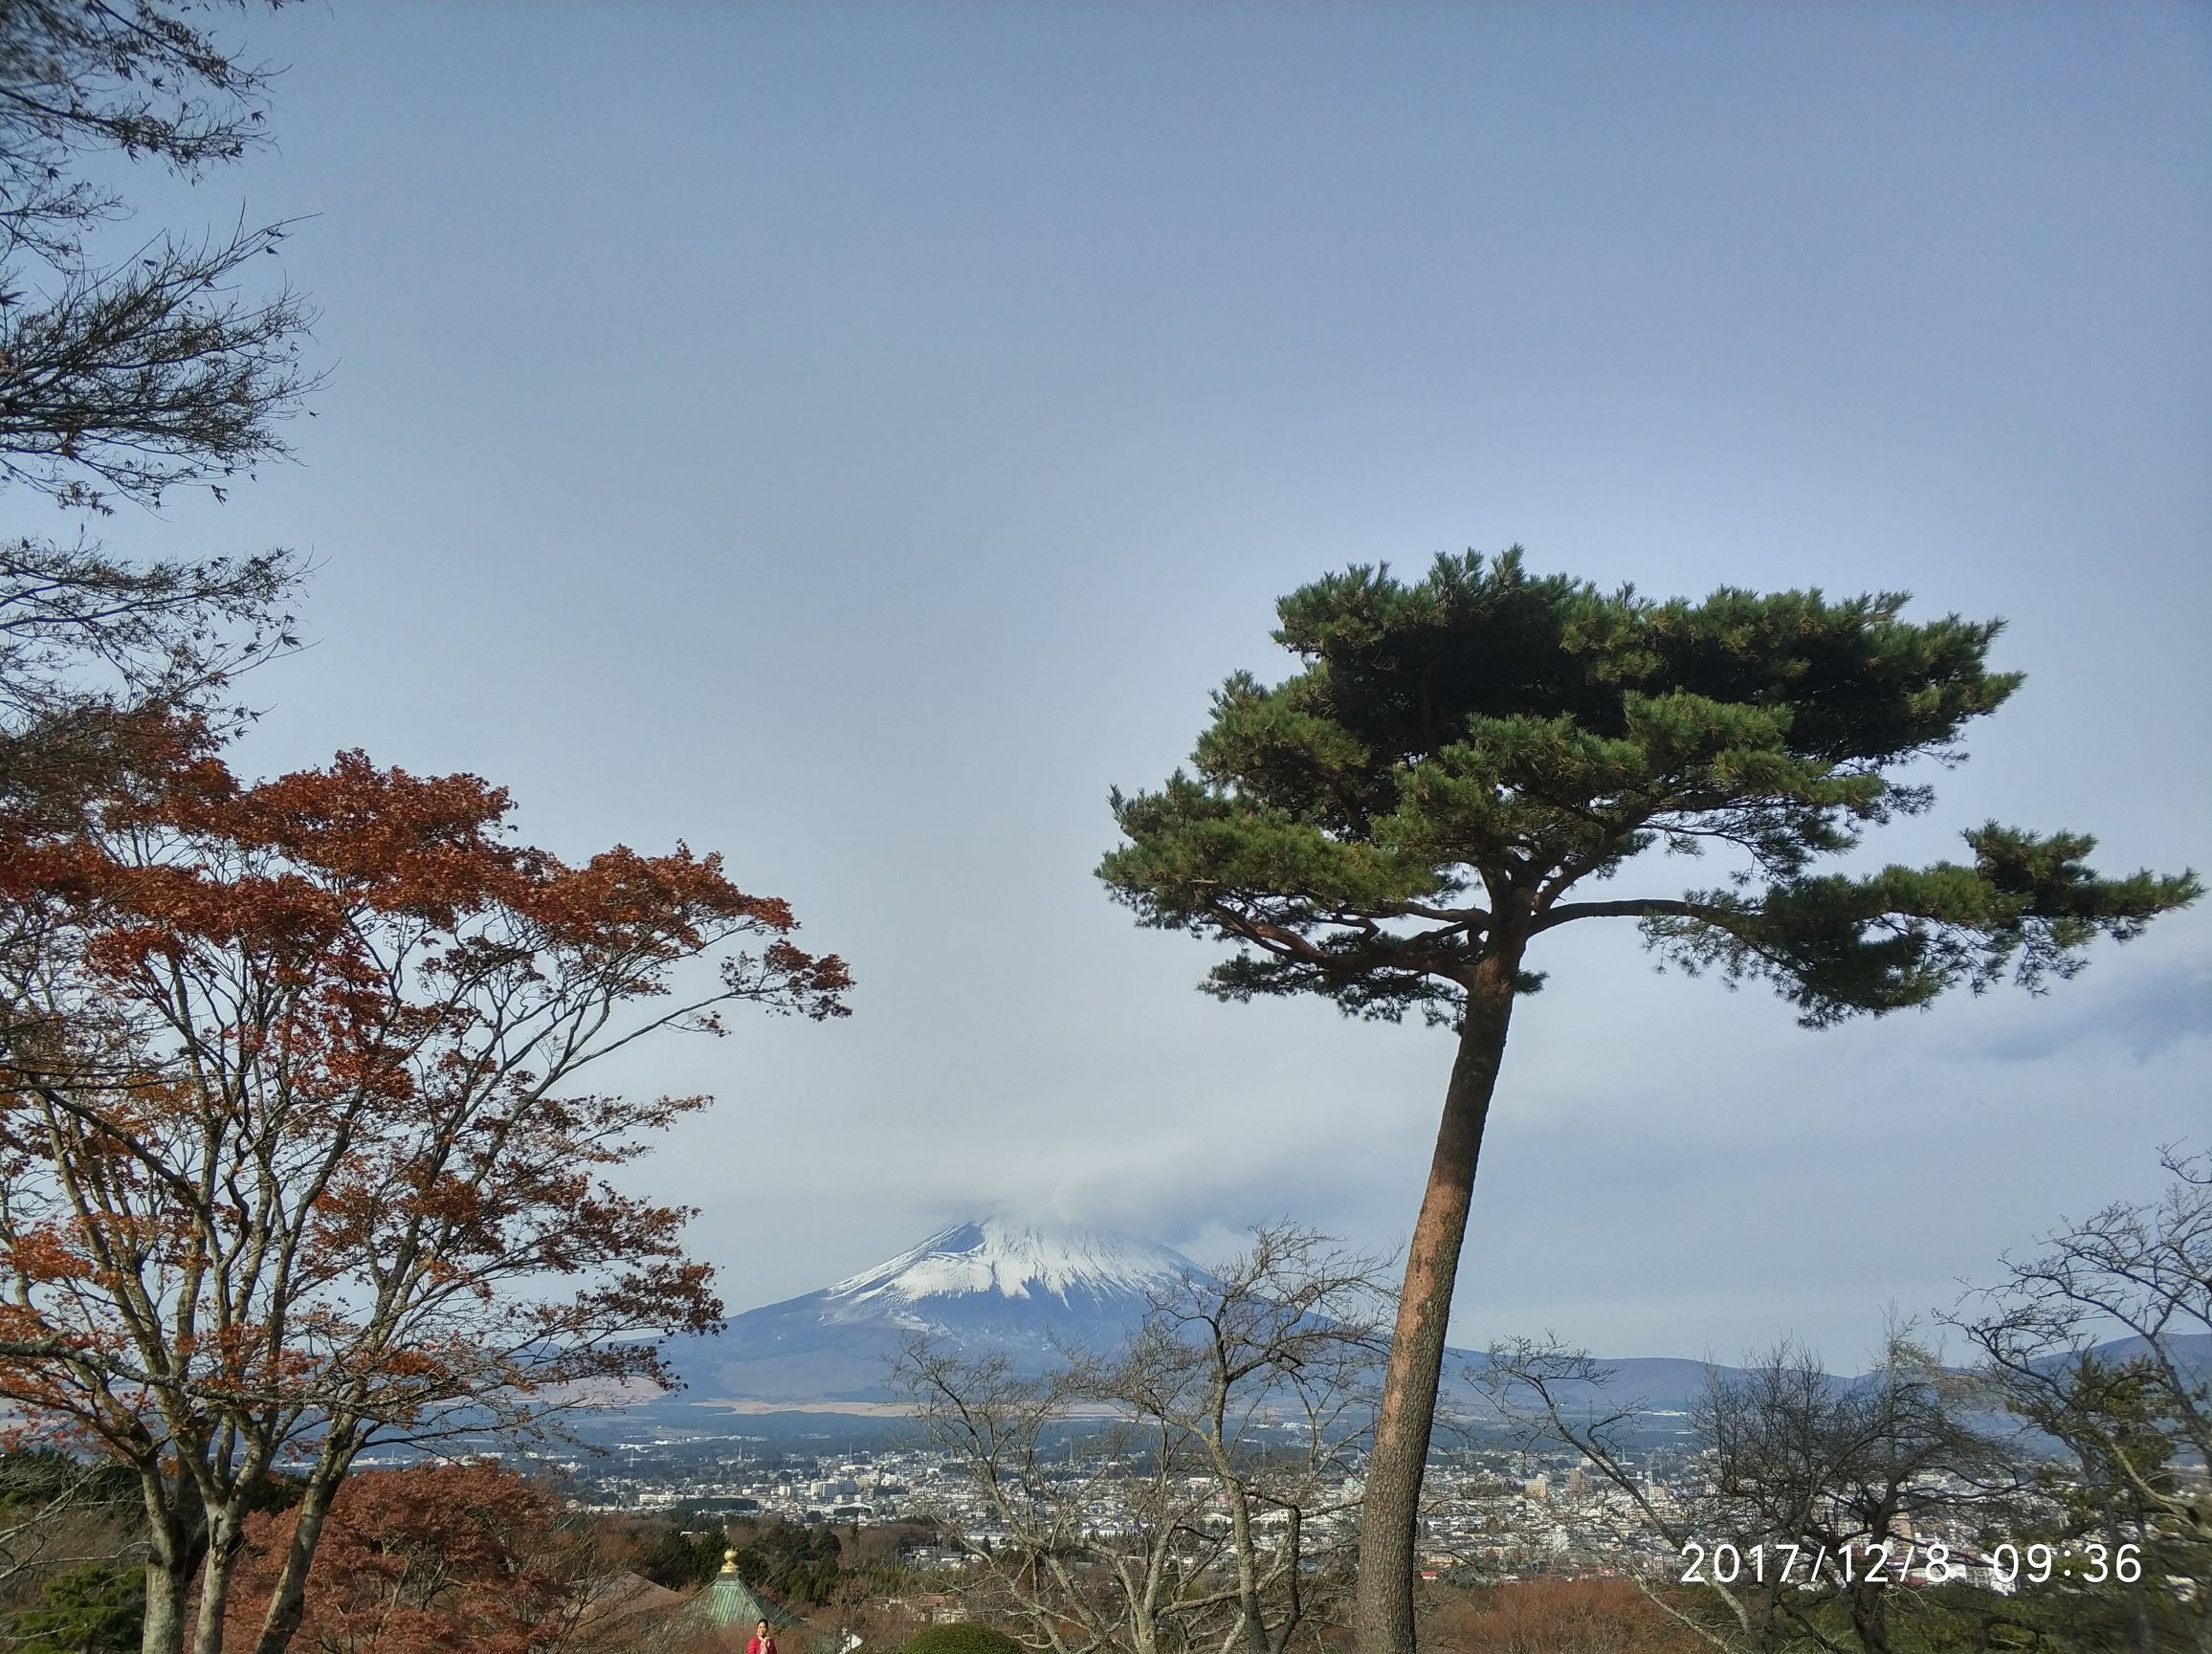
[1024, 1291]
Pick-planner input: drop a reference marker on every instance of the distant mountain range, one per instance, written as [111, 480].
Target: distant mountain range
[1022, 1290]
[991, 1285]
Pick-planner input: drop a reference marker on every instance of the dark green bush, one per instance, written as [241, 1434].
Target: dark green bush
[96, 1609]
[967, 1637]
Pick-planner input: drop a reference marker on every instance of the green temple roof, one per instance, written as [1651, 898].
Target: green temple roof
[726, 1603]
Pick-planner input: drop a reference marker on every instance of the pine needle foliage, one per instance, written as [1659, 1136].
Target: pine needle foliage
[1463, 753]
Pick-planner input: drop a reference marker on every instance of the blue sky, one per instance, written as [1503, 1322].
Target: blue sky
[856, 437]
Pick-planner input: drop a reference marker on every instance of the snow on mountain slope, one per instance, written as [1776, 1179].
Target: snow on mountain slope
[990, 1285]
[1079, 1266]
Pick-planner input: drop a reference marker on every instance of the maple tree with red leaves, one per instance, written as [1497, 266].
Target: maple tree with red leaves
[294, 1153]
[430, 1560]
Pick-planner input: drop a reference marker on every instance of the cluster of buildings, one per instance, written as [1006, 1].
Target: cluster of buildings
[1502, 1512]
[728, 1477]
[1488, 1515]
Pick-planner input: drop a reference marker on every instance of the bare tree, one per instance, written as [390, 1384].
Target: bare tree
[1209, 1507]
[60, 1513]
[158, 368]
[74, 624]
[122, 372]
[126, 373]
[1826, 1480]
[2144, 1271]
[2136, 1423]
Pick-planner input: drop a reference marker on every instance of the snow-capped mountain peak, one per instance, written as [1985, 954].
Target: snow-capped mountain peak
[996, 1286]
[1006, 1258]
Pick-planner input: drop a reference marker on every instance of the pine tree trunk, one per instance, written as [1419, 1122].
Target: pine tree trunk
[1389, 1510]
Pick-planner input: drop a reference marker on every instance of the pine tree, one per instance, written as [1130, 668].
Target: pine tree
[1396, 825]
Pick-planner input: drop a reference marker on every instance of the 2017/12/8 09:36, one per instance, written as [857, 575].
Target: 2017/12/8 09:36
[1895, 1562]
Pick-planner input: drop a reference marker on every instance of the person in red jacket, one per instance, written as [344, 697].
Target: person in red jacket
[763, 1643]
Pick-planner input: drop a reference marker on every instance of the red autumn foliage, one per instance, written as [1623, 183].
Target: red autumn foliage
[295, 1150]
[444, 1557]
[1553, 1617]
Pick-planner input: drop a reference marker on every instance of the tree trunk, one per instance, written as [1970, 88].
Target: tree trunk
[176, 1539]
[168, 1589]
[1870, 1612]
[226, 1537]
[1389, 1510]
[2139, 1604]
[288, 1598]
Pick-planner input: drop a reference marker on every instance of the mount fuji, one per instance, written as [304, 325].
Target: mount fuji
[996, 1286]
[989, 1287]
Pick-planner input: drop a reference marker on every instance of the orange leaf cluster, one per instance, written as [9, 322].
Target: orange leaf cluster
[440, 1560]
